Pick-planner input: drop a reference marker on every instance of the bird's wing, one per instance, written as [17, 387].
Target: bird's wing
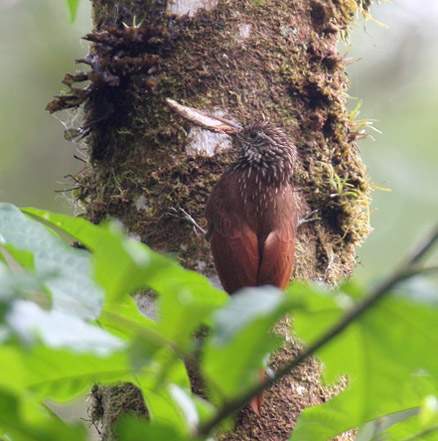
[236, 258]
[278, 249]
[278, 259]
[234, 243]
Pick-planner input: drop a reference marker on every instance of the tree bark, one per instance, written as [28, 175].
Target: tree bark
[245, 60]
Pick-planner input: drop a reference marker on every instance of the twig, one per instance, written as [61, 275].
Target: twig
[405, 271]
[79, 158]
[188, 217]
[309, 217]
[67, 190]
[423, 247]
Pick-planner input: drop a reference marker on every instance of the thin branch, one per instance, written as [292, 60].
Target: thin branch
[312, 216]
[67, 190]
[405, 271]
[423, 247]
[189, 218]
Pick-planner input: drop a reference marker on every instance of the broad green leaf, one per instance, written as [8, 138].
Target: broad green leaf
[386, 355]
[13, 372]
[71, 286]
[422, 424]
[73, 9]
[58, 329]
[164, 365]
[428, 414]
[14, 424]
[125, 320]
[374, 429]
[130, 428]
[88, 234]
[194, 409]
[22, 284]
[61, 375]
[242, 337]
[186, 300]
[18, 285]
[411, 430]
[184, 401]
[22, 257]
[123, 266]
[149, 378]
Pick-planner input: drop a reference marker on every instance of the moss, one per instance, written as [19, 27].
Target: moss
[288, 71]
[108, 403]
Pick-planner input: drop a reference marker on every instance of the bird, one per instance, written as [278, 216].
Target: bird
[252, 212]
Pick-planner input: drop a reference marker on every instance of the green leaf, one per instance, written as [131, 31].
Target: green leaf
[183, 400]
[22, 257]
[124, 266]
[421, 424]
[57, 329]
[88, 234]
[386, 355]
[61, 375]
[67, 383]
[71, 286]
[130, 428]
[242, 337]
[13, 371]
[429, 411]
[18, 285]
[14, 424]
[125, 320]
[416, 427]
[73, 6]
[373, 431]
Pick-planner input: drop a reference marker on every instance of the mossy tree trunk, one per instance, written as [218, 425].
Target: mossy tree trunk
[246, 60]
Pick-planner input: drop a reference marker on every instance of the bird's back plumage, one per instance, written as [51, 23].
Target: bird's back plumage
[251, 231]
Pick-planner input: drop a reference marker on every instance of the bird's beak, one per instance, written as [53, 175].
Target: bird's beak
[202, 119]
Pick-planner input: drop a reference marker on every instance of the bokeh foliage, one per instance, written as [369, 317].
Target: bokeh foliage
[68, 321]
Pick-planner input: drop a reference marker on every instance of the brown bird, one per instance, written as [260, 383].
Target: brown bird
[252, 210]
[252, 214]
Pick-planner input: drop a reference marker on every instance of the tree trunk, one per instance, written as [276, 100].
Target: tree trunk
[245, 60]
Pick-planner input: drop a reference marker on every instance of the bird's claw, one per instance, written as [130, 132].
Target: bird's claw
[308, 218]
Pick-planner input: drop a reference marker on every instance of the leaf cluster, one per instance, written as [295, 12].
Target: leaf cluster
[68, 321]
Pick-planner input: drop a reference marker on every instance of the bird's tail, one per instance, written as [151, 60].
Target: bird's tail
[256, 403]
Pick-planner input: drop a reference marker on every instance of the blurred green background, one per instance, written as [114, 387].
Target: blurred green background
[393, 70]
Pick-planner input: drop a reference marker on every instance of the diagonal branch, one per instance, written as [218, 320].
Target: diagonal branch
[405, 271]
